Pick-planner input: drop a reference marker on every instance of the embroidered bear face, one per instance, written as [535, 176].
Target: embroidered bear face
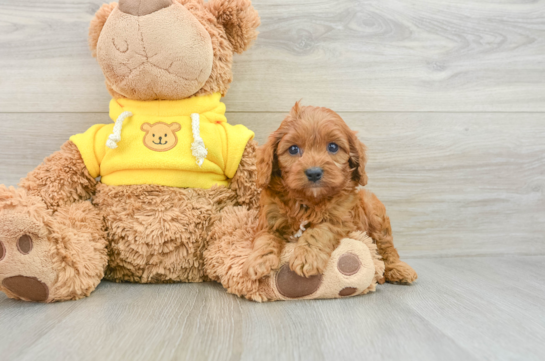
[160, 137]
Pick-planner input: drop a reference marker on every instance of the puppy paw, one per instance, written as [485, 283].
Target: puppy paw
[307, 262]
[400, 272]
[260, 266]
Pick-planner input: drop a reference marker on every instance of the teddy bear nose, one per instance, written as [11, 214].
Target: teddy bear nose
[142, 7]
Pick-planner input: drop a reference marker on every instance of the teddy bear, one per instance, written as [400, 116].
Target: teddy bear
[166, 190]
[168, 160]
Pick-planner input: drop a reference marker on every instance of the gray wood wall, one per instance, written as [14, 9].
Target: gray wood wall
[449, 96]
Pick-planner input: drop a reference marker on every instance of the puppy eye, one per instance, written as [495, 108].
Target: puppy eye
[332, 148]
[294, 150]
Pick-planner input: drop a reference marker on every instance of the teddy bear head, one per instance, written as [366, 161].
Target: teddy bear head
[170, 49]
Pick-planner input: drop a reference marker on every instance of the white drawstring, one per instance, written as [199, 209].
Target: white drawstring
[115, 137]
[197, 147]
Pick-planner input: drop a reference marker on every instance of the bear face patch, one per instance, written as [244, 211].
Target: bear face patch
[160, 137]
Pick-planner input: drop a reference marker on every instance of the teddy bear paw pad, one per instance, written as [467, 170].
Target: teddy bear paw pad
[347, 291]
[349, 264]
[25, 268]
[291, 285]
[2, 251]
[27, 288]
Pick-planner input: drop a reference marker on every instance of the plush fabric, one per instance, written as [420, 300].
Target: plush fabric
[61, 179]
[231, 26]
[67, 257]
[158, 234]
[164, 55]
[140, 158]
[142, 8]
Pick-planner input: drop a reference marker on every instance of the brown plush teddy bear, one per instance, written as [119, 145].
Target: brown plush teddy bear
[168, 165]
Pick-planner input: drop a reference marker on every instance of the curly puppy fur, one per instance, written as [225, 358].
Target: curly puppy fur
[316, 138]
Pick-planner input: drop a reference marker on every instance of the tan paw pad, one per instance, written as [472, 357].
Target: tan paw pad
[24, 244]
[291, 285]
[347, 291]
[27, 288]
[349, 264]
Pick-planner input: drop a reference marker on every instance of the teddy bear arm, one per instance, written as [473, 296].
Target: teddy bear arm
[61, 179]
[244, 181]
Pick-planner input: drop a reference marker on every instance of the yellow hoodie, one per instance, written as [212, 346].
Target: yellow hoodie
[158, 143]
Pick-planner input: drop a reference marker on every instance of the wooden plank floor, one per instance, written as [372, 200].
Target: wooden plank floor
[460, 309]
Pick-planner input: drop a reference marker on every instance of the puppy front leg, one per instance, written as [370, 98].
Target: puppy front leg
[265, 256]
[313, 250]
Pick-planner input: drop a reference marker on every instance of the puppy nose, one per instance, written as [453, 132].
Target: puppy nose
[142, 7]
[314, 174]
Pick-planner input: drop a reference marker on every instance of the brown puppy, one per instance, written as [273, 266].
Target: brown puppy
[309, 171]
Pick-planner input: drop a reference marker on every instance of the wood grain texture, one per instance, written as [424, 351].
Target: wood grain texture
[454, 184]
[351, 55]
[460, 309]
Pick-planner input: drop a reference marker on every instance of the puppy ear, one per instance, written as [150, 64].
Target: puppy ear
[358, 159]
[266, 162]
[239, 19]
[146, 127]
[97, 24]
[296, 110]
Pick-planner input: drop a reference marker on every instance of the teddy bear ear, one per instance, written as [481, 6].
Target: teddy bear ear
[97, 24]
[175, 127]
[239, 19]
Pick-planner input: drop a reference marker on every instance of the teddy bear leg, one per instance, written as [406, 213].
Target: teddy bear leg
[353, 269]
[46, 256]
[230, 245]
